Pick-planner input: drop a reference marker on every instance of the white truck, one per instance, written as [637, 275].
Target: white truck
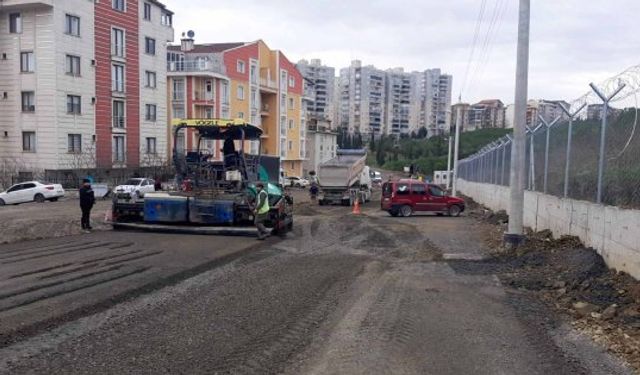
[345, 178]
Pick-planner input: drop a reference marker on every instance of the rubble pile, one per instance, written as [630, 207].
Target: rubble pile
[574, 280]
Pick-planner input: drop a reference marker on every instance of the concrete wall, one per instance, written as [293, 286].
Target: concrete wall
[612, 231]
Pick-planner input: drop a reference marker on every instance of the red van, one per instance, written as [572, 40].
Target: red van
[404, 197]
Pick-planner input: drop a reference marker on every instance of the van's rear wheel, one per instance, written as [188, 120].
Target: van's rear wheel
[406, 211]
[454, 211]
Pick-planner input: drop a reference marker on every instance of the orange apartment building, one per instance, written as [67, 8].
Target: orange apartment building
[239, 80]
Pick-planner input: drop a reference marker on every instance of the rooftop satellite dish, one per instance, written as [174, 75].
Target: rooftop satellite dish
[191, 34]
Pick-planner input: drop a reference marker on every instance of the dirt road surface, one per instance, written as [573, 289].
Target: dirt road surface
[341, 294]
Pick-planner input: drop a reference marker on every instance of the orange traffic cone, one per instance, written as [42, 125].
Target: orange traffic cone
[356, 207]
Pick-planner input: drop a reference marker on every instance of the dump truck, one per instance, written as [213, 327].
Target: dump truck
[344, 179]
[214, 195]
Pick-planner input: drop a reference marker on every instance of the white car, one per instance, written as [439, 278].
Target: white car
[297, 181]
[135, 188]
[31, 191]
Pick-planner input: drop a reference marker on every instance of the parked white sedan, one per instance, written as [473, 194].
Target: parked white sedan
[31, 191]
[135, 188]
[297, 181]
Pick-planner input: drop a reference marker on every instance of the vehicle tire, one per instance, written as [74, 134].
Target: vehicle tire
[321, 202]
[454, 211]
[439, 214]
[53, 199]
[39, 198]
[406, 211]
[298, 185]
[393, 213]
[2, 202]
[345, 202]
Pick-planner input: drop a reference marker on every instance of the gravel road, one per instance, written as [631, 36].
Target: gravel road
[342, 294]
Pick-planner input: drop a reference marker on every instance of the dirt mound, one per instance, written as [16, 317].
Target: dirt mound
[575, 280]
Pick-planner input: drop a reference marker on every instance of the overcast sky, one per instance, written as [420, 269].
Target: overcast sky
[573, 42]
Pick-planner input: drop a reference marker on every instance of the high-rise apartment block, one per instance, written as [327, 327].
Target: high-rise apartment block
[82, 83]
[240, 80]
[372, 101]
[362, 99]
[322, 89]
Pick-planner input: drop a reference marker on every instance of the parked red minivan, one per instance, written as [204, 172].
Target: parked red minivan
[404, 197]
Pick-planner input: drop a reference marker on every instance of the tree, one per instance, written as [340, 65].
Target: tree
[422, 132]
[380, 155]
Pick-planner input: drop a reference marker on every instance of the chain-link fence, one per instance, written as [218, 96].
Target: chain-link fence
[589, 151]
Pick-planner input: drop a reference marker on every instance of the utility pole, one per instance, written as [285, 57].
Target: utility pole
[515, 233]
[455, 153]
[449, 162]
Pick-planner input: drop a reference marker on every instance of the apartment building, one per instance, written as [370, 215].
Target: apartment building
[400, 94]
[393, 102]
[322, 90]
[240, 80]
[488, 113]
[322, 144]
[435, 101]
[461, 109]
[362, 99]
[72, 77]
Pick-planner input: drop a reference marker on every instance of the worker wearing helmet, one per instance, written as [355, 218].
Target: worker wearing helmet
[261, 212]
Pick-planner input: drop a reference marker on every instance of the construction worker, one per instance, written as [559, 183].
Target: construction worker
[261, 212]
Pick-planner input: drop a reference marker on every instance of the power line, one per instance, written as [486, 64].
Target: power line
[473, 44]
[488, 41]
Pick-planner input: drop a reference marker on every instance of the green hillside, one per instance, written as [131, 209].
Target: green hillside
[427, 154]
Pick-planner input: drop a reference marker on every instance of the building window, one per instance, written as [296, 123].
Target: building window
[147, 11]
[291, 103]
[290, 145]
[29, 141]
[283, 145]
[178, 89]
[151, 146]
[225, 93]
[118, 149]
[118, 114]
[73, 104]
[73, 65]
[150, 46]
[150, 112]
[118, 5]
[240, 114]
[72, 25]
[253, 73]
[292, 81]
[150, 79]
[28, 101]
[290, 124]
[74, 143]
[208, 112]
[303, 152]
[178, 112]
[166, 19]
[117, 42]
[27, 62]
[117, 78]
[240, 93]
[240, 66]
[15, 23]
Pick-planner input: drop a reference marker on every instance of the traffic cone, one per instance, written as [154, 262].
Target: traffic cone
[356, 207]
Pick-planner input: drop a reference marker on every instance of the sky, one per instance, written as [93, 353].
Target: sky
[573, 42]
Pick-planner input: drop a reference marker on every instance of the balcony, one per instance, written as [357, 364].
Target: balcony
[198, 65]
[264, 110]
[17, 4]
[268, 85]
[203, 95]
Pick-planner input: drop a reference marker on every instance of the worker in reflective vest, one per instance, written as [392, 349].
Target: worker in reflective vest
[261, 212]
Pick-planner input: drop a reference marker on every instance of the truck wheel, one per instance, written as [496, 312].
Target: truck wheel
[406, 211]
[393, 213]
[39, 198]
[454, 211]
